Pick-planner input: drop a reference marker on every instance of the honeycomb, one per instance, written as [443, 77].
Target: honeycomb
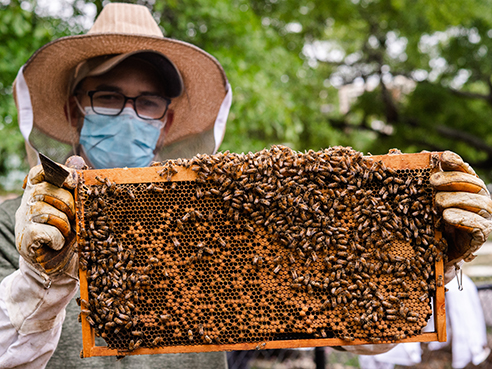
[265, 246]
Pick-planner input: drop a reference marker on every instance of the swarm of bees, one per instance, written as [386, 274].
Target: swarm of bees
[272, 245]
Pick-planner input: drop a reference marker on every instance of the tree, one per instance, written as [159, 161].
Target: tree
[270, 100]
[22, 31]
[287, 61]
[441, 50]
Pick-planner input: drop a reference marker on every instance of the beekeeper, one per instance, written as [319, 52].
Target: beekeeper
[120, 95]
[123, 95]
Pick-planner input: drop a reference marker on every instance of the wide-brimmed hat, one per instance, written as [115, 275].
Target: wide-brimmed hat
[121, 29]
[165, 71]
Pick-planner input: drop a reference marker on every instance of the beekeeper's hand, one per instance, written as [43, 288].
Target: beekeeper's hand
[466, 207]
[43, 231]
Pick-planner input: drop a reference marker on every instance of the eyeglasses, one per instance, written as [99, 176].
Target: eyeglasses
[146, 106]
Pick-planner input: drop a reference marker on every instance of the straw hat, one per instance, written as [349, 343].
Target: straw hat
[120, 29]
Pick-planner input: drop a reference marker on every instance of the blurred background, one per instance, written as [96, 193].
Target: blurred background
[371, 74]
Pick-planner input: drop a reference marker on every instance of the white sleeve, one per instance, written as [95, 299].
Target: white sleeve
[31, 316]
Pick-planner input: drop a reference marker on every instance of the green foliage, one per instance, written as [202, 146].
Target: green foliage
[440, 48]
[21, 33]
[284, 94]
[270, 102]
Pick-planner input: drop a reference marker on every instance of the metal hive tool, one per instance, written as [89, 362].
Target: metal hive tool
[271, 249]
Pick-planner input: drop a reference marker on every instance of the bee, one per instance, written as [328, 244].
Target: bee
[179, 224]
[130, 193]
[187, 216]
[439, 281]
[190, 335]
[118, 321]
[261, 346]
[334, 302]
[386, 304]
[198, 214]
[123, 317]
[221, 241]
[379, 295]
[326, 304]
[165, 273]
[314, 256]
[191, 259]
[164, 318]
[393, 299]
[335, 291]
[345, 311]
[90, 321]
[257, 260]
[215, 191]
[157, 340]
[81, 302]
[278, 259]
[175, 242]
[208, 339]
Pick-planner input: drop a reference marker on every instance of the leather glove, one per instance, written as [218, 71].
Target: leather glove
[43, 229]
[466, 207]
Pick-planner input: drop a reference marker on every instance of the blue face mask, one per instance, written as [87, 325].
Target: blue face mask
[124, 140]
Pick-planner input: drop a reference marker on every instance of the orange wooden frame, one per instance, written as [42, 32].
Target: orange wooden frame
[145, 175]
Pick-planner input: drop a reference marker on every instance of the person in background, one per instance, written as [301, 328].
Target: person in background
[123, 95]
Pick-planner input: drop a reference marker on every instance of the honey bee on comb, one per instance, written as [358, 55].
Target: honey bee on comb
[259, 247]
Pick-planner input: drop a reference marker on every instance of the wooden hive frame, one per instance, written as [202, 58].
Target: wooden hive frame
[152, 176]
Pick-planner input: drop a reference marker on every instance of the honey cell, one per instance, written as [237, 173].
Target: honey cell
[265, 246]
